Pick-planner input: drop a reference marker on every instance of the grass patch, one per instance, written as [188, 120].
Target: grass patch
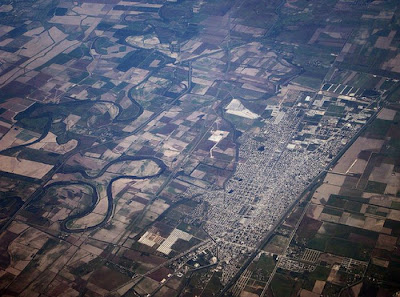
[395, 205]
[336, 201]
[88, 267]
[332, 211]
[308, 81]
[264, 267]
[320, 273]
[375, 187]
[353, 206]
[378, 128]
[341, 247]
[335, 110]
[282, 286]
[318, 242]
[34, 124]
[101, 44]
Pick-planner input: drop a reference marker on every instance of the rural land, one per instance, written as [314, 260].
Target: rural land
[181, 148]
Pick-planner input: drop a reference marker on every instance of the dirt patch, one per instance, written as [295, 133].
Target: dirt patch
[386, 242]
[386, 114]
[160, 274]
[308, 227]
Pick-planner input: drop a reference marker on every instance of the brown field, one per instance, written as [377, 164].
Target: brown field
[380, 262]
[381, 173]
[277, 244]
[319, 286]
[60, 202]
[89, 220]
[17, 227]
[386, 242]
[354, 237]
[394, 215]
[47, 259]
[344, 165]
[137, 168]
[308, 227]
[314, 211]
[24, 167]
[112, 233]
[335, 179]
[160, 274]
[49, 143]
[322, 194]
[247, 294]
[93, 165]
[146, 285]
[165, 291]
[108, 279]
[174, 282]
[10, 139]
[387, 114]
[143, 257]
[374, 224]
